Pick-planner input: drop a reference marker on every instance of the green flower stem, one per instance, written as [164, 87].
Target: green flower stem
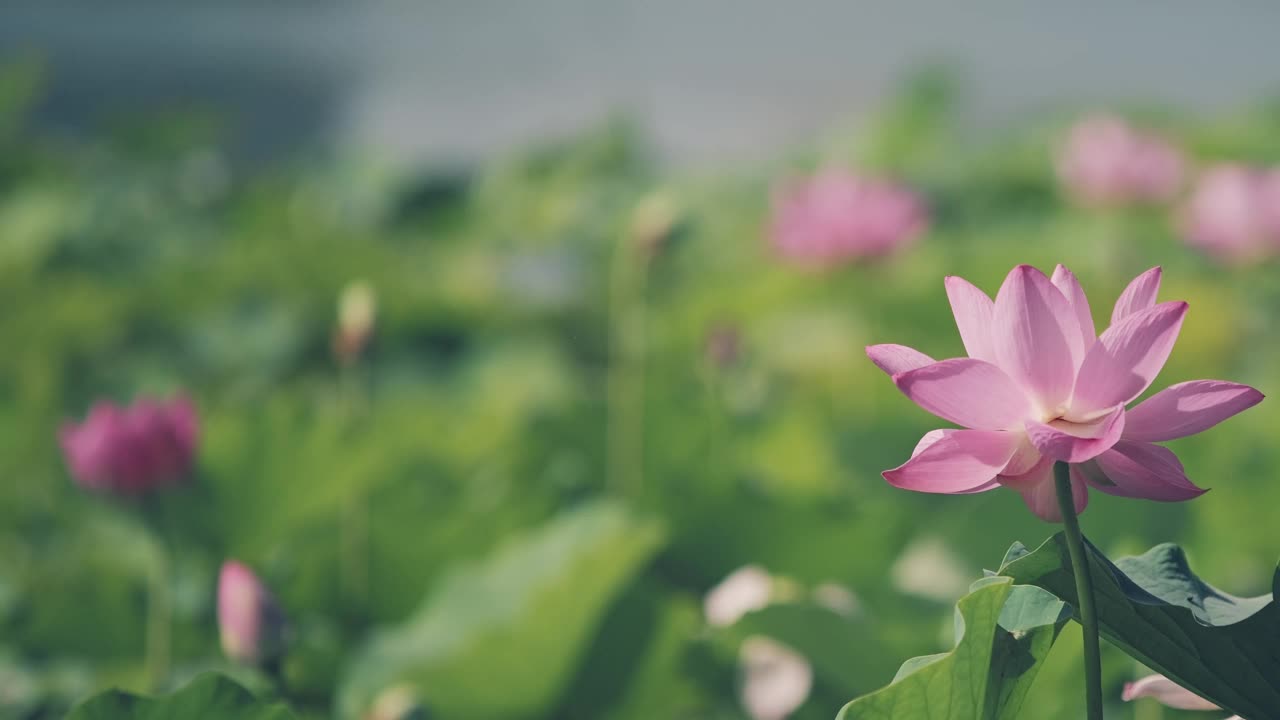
[159, 617]
[354, 521]
[625, 414]
[1084, 590]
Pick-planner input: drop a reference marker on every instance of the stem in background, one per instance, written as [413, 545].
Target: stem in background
[625, 414]
[1084, 590]
[273, 668]
[159, 617]
[354, 527]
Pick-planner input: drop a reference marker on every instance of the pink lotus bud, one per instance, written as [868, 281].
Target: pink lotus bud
[132, 450]
[1234, 214]
[251, 625]
[1166, 692]
[836, 216]
[357, 314]
[1106, 161]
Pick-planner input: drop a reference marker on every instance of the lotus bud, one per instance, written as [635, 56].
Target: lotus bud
[776, 680]
[654, 222]
[399, 702]
[745, 590]
[250, 624]
[357, 315]
[1166, 692]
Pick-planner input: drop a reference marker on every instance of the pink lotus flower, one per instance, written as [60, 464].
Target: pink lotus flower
[132, 450]
[836, 216]
[1234, 214]
[1168, 693]
[1106, 161]
[250, 624]
[1039, 386]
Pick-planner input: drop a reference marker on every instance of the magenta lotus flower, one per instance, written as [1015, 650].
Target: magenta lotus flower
[836, 216]
[251, 625]
[132, 450]
[1234, 214]
[1039, 386]
[1106, 161]
[1168, 693]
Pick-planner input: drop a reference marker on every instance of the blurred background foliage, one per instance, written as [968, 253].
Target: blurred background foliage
[593, 392]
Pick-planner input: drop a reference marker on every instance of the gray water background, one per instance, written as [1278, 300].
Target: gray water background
[711, 81]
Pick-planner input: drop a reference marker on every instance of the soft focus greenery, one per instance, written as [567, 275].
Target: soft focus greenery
[593, 392]
[208, 697]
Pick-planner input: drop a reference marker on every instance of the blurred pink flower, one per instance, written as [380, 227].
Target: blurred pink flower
[1106, 161]
[1038, 386]
[836, 216]
[776, 680]
[250, 624]
[1234, 213]
[134, 449]
[747, 589]
[1167, 693]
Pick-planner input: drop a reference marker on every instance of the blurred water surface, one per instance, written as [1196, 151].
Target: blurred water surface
[711, 80]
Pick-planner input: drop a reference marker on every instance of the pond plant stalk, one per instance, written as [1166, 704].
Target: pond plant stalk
[647, 235]
[1084, 590]
[159, 616]
[357, 314]
[625, 424]
[355, 515]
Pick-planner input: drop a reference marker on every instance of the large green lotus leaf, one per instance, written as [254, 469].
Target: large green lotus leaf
[208, 697]
[1005, 632]
[1224, 648]
[502, 637]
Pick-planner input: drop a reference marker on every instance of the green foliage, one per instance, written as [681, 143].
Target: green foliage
[151, 260]
[517, 622]
[208, 697]
[1222, 647]
[1004, 632]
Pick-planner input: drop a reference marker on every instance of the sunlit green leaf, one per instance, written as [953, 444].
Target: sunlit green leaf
[500, 638]
[1005, 631]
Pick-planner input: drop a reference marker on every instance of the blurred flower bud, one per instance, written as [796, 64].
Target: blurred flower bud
[836, 216]
[654, 222]
[251, 625]
[776, 680]
[928, 568]
[746, 589]
[1105, 161]
[1233, 214]
[399, 702]
[837, 598]
[723, 346]
[132, 450]
[357, 314]
[1166, 692]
